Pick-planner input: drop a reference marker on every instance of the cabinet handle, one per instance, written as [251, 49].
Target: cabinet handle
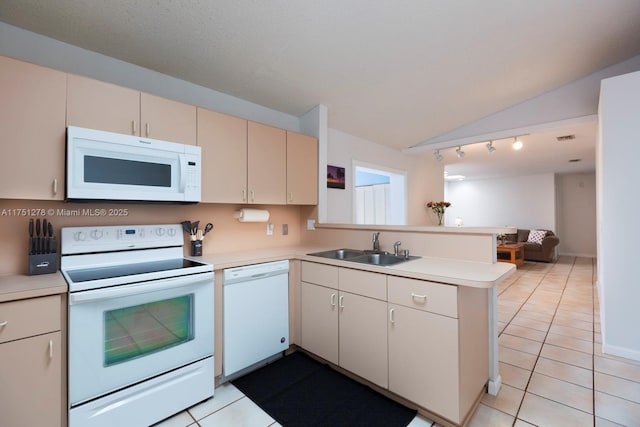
[291, 196]
[148, 128]
[333, 300]
[253, 195]
[424, 297]
[244, 195]
[50, 349]
[55, 186]
[391, 319]
[341, 302]
[4, 323]
[133, 127]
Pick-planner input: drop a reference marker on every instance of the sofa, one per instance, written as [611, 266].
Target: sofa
[544, 252]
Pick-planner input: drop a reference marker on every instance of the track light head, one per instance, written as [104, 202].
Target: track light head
[459, 152]
[437, 155]
[517, 144]
[490, 147]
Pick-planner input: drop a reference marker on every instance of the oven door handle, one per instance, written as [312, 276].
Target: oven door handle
[136, 289]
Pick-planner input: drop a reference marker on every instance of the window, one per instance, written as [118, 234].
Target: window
[379, 195]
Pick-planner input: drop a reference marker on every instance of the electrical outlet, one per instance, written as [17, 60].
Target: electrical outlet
[269, 229]
[285, 229]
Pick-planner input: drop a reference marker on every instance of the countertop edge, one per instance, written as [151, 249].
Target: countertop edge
[21, 286]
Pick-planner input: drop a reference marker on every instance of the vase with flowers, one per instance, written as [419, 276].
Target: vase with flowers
[438, 208]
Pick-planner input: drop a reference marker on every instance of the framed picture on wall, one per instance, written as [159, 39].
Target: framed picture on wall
[335, 177]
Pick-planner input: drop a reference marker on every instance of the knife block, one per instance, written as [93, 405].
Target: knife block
[43, 263]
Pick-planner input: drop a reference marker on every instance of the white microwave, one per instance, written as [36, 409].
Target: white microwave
[111, 166]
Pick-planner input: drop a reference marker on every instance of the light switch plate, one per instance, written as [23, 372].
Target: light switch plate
[269, 229]
[285, 229]
[311, 224]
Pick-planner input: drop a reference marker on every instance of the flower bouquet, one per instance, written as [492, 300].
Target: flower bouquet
[438, 208]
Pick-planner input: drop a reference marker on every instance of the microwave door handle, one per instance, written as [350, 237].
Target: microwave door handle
[183, 172]
[128, 290]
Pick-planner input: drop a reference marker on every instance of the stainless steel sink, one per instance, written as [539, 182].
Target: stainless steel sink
[364, 257]
[382, 259]
[344, 254]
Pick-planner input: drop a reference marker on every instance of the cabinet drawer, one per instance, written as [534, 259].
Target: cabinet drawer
[26, 318]
[427, 296]
[320, 274]
[373, 285]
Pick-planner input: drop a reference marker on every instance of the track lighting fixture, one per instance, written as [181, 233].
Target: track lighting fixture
[517, 144]
[437, 155]
[459, 152]
[490, 147]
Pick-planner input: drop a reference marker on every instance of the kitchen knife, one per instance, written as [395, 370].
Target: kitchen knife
[50, 242]
[45, 230]
[31, 241]
[37, 251]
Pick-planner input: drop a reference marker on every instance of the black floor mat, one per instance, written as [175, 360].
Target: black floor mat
[299, 391]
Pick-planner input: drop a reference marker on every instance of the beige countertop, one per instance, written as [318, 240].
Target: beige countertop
[19, 286]
[455, 272]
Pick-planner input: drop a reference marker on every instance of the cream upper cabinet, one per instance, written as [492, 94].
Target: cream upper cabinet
[32, 120]
[167, 119]
[223, 139]
[266, 164]
[302, 169]
[105, 106]
[31, 362]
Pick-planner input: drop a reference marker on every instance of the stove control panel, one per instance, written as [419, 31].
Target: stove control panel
[76, 240]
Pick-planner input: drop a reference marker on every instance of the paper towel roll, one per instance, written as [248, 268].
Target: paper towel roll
[252, 215]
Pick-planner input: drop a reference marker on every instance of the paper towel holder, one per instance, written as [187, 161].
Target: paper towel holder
[252, 215]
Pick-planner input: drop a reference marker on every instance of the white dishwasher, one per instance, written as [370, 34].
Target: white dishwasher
[255, 314]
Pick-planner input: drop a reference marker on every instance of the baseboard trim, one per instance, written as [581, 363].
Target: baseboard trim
[581, 255]
[615, 350]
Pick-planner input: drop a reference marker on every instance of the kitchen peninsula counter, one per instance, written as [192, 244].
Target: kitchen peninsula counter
[455, 272]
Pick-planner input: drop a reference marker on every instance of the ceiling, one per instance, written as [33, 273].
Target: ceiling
[394, 72]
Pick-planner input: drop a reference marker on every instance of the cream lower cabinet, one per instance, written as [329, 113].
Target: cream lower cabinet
[319, 319]
[345, 328]
[426, 342]
[31, 363]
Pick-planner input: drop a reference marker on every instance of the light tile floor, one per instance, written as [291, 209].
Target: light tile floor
[553, 370]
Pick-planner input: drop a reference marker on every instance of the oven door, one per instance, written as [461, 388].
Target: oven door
[125, 334]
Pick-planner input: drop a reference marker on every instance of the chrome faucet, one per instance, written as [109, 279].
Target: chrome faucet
[376, 242]
[396, 247]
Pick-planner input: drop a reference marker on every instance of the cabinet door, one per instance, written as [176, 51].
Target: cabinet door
[363, 337]
[32, 120]
[223, 140]
[30, 374]
[302, 169]
[99, 105]
[319, 321]
[267, 164]
[166, 119]
[423, 359]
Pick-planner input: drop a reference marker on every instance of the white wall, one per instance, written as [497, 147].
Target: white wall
[576, 218]
[618, 204]
[522, 201]
[424, 176]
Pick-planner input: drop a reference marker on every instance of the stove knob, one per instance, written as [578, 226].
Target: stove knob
[171, 231]
[80, 236]
[96, 234]
[160, 231]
